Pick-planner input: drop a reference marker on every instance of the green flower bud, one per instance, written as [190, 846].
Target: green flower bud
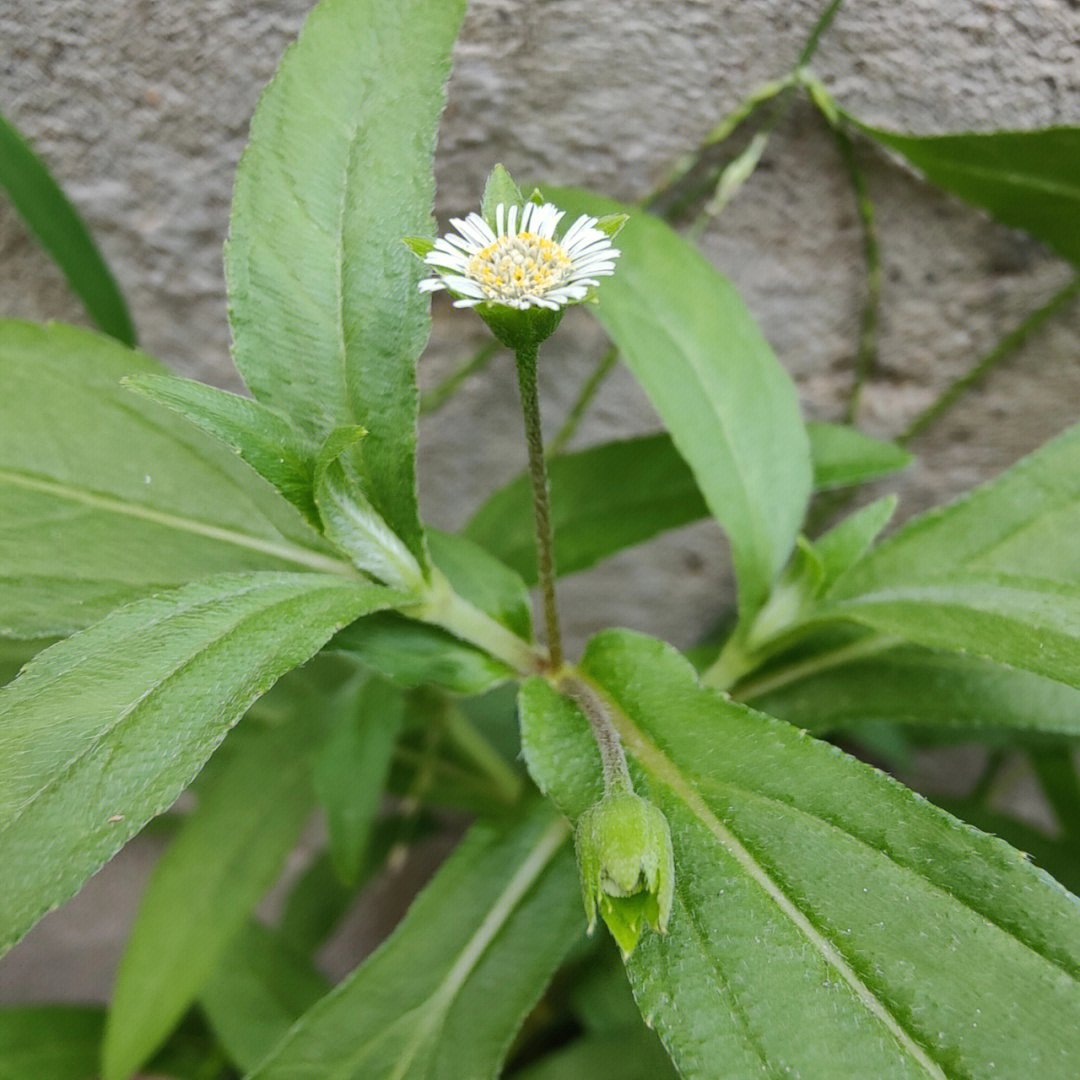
[627, 866]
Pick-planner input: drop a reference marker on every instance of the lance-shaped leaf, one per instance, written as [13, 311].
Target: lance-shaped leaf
[102, 731]
[443, 997]
[259, 990]
[225, 856]
[945, 692]
[827, 921]
[710, 374]
[1026, 179]
[263, 438]
[843, 456]
[1028, 623]
[1023, 522]
[326, 316]
[56, 223]
[352, 522]
[105, 497]
[612, 496]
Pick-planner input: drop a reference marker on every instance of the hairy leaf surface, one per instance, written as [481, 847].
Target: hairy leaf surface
[827, 921]
[1023, 522]
[105, 497]
[263, 438]
[225, 856]
[102, 731]
[443, 997]
[326, 316]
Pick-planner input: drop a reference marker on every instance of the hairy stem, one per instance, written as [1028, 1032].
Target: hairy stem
[441, 606]
[612, 756]
[545, 555]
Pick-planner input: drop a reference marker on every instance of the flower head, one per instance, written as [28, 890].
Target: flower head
[627, 866]
[519, 260]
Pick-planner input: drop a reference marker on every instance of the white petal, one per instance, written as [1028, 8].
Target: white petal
[499, 222]
[511, 224]
[431, 284]
[466, 303]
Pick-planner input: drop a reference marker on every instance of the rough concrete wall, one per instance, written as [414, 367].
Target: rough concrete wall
[141, 109]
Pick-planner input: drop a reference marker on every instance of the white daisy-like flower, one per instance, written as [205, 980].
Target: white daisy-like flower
[521, 263]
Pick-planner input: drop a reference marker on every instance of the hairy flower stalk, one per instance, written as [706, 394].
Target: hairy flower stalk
[623, 843]
[519, 271]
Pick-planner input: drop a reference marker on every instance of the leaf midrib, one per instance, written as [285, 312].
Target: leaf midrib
[440, 999]
[653, 759]
[110, 504]
[132, 707]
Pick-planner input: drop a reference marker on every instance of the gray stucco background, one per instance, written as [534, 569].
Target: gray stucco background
[141, 109]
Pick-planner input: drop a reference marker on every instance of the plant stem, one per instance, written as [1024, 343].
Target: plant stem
[441, 606]
[545, 556]
[585, 396]
[823, 23]
[1002, 351]
[612, 756]
[866, 354]
[438, 395]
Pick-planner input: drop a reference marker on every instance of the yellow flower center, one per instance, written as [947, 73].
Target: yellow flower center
[518, 266]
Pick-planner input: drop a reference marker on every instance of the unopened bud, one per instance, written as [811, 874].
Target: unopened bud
[627, 866]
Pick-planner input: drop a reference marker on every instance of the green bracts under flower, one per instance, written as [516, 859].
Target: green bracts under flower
[627, 866]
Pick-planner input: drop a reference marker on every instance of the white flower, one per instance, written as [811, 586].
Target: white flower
[521, 264]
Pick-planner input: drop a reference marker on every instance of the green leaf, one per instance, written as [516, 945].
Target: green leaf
[105, 498]
[262, 437]
[1024, 522]
[849, 540]
[617, 494]
[101, 732]
[843, 456]
[351, 767]
[228, 852]
[634, 1054]
[1026, 179]
[258, 991]
[1029, 623]
[911, 685]
[484, 581]
[49, 1042]
[445, 994]
[709, 373]
[56, 223]
[411, 653]
[351, 521]
[327, 319]
[827, 921]
[500, 188]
